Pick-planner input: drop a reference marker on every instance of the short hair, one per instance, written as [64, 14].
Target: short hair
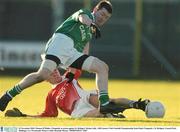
[104, 4]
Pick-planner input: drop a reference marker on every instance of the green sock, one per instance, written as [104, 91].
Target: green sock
[14, 91]
[103, 98]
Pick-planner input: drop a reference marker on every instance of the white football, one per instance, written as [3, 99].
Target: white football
[155, 110]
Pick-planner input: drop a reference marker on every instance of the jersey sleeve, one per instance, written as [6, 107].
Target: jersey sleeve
[50, 107]
[75, 16]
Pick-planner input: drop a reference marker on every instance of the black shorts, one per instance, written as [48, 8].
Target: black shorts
[53, 58]
[76, 64]
[79, 62]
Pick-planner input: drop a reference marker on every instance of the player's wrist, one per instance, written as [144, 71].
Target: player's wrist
[70, 76]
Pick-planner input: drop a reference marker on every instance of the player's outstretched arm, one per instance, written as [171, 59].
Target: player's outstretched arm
[83, 18]
[126, 103]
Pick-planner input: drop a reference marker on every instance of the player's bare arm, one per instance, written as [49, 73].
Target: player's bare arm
[83, 18]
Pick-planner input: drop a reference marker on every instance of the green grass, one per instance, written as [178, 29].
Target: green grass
[32, 101]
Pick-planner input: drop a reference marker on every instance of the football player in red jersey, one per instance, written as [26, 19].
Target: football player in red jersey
[68, 96]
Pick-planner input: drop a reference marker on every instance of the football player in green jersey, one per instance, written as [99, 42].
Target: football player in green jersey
[68, 48]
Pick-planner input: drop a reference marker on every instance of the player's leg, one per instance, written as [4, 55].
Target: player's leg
[123, 102]
[141, 104]
[54, 54]
[127, 103]
[93, 64]
[47, 67]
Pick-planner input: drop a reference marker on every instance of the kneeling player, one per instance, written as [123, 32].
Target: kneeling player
[70, 98]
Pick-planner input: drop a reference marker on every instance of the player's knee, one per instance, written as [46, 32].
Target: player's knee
[45, 70]
[43, 74]
[102, 67]
[93, 64]
[106, 67]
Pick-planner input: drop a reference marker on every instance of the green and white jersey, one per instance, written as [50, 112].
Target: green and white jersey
[78, 32]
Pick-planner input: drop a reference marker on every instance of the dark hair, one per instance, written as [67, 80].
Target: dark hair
[104, 4]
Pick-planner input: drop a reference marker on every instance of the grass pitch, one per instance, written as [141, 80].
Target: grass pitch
[32, 101]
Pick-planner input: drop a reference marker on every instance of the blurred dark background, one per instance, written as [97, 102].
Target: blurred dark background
[32, 22]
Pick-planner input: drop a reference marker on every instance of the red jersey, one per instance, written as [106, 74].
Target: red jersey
[63, 96]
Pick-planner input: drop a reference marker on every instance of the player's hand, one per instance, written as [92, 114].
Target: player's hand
[15, 112]
[70, 76]
[95, 30]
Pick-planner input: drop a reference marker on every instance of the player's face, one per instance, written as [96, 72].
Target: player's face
[101, 16]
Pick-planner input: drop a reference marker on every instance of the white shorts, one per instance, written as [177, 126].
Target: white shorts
[62, 47]
[82, 106]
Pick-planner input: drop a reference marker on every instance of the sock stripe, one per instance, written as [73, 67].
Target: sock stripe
[17, 87]
[105, 103]
[14, 91]
[103, 92]
[102, 95]
[104, 99]
[18, 90]
[9, 95]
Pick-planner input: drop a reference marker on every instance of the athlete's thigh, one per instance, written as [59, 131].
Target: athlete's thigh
[47, 64]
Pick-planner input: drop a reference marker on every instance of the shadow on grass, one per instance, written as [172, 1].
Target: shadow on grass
[128, 120]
